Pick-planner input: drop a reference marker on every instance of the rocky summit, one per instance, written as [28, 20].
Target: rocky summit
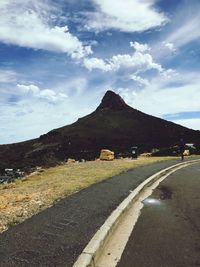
[113, 125]
[112, 101]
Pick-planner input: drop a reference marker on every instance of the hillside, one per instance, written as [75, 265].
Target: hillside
[113, 125]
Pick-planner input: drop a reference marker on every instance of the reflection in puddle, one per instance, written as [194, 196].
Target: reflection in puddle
[165, 192]
[152, 201]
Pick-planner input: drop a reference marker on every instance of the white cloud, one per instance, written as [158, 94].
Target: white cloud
[31, 116]
[7, 76]
[139, 61]
[125, 15]
[169, 73]
[184, 28]
[139, 79]
[30, 24]
[127, 94]
[140, 47]
[97, 63]
[189, 123]
[45, 94]
[29, 89]
[187, 32]
[170, 46]
[166, 95]
[74, 87]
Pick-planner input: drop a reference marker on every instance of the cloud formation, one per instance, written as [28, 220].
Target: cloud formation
[45, 94]
[187, 32]
[125, 15]
[97, 63]
[7, 76]
[166, 94]
[30, 23]
[139, 61]
[140, 80]
[35, 113]
[169, 46]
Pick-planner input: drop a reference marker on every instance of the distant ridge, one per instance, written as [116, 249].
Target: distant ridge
[113, 125]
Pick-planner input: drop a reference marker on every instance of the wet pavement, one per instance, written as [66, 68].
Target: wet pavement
[56, 236]
[167, 233]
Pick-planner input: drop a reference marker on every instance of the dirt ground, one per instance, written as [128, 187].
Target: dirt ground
[25, 197]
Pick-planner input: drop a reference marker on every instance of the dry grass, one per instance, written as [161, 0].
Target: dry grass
[23, 198]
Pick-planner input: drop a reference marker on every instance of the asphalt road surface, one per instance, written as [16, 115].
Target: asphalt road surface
[167, 233]
[56, 236]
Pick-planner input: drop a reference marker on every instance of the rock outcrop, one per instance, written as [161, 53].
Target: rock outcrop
[106, 154]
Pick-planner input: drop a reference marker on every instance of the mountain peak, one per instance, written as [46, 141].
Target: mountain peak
[113, 101]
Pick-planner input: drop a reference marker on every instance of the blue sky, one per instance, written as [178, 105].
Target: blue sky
[58, 58]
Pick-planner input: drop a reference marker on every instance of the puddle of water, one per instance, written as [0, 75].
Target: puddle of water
[165, 192]
[152, 201]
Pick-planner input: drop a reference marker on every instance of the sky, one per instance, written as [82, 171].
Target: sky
[59, 57]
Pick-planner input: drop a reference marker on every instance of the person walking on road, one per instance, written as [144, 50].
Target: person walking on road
[182, 148]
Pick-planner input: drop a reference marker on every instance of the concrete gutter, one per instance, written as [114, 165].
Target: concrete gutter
[91, 253]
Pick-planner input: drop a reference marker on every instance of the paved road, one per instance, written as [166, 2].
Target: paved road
[167, 233]
[56, 236]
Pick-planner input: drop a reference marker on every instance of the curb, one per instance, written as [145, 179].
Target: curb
[90, 254]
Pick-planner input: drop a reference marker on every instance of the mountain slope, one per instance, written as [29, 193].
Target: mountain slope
[113, 125]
